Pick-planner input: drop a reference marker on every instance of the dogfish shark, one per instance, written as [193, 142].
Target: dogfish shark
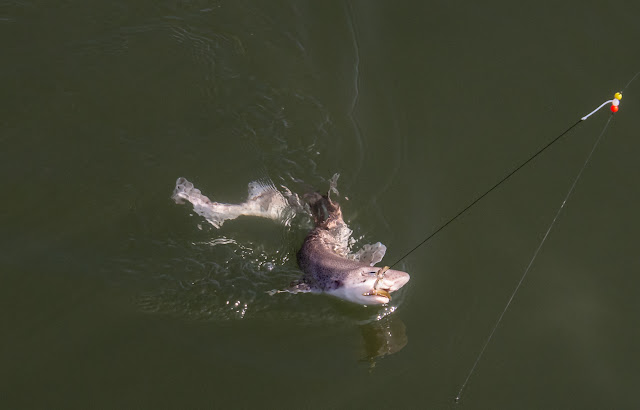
[324, 257]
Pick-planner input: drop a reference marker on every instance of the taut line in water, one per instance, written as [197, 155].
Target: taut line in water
[615, 102]
[614, 108]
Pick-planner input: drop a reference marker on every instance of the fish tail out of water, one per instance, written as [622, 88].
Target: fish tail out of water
[185, 192]
[264, 200]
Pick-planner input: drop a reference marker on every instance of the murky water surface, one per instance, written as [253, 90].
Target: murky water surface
[115, 296]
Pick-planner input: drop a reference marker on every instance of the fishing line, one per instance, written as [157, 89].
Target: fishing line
[615, 102]
[509, 175]
[535, 255]
[614, 108]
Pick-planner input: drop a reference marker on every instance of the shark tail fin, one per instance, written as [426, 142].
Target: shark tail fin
[213, 212]
[264, 200]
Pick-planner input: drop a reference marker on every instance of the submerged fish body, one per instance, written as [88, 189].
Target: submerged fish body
[324, 256]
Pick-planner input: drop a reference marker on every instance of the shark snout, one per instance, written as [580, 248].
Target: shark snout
[370, 285]
[393, 280]
[382, 287]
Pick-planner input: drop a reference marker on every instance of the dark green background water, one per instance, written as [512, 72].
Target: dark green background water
[114, 296]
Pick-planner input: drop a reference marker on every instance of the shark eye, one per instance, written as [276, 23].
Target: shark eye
[365, 273]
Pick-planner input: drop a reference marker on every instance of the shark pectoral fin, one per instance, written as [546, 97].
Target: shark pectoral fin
[371, 254]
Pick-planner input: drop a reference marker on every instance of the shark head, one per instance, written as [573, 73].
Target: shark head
[370, 285]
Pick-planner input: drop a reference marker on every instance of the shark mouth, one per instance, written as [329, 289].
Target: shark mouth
[379, 292]
[384, 292]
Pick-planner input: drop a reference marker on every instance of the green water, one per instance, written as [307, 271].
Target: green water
[113, 296]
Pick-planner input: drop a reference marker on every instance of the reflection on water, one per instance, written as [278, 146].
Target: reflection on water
[383, 337]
